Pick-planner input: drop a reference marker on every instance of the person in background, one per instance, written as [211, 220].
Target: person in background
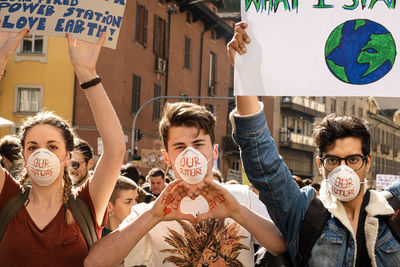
[142, 180]
[11, 156]
[217, 175]
[299, 181]
[168, 178]
[232, 182]
[307, 182]
[81, 162]
[129, 170]
[317, 187]
[123, 197]
[156, 178]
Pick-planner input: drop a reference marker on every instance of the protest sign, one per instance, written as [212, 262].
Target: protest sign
[385, 180]
[83, 19]
[320, 48]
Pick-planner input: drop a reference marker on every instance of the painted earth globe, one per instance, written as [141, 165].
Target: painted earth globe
[360, 51]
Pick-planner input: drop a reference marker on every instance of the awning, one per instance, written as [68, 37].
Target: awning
[6, 123]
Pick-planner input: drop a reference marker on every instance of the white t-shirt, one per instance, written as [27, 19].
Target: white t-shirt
[222, 242]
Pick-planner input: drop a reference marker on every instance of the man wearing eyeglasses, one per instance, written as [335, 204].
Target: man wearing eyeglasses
[81, 162]
[355, 233]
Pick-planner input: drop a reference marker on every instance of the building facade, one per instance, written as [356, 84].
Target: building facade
[38, 75]
[384, 118]
[165, 48]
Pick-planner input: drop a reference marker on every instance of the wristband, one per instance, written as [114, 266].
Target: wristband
[91, 83]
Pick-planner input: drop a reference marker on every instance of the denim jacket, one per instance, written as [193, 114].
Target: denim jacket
[287, 205]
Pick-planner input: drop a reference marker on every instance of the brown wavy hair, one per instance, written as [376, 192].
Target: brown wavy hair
[189, 115]
[50, 118]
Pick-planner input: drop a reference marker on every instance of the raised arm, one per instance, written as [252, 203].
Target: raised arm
[8, 43]
[84, 57]
[263, 165]
[113, 248]
[223, 205]
[245, 105]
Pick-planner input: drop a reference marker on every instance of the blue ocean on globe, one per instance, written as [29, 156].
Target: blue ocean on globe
[360, 51]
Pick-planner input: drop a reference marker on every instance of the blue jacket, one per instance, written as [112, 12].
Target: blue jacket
[287, 205]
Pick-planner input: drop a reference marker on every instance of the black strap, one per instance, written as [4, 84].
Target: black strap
[362, 258]
[393, 221]
[313, 223]
[84, 219]
[11, 208]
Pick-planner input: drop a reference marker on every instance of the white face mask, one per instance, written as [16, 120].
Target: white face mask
[343, 183]
[191, 165]
[43, 167]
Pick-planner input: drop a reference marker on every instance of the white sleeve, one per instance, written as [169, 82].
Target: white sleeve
[257, 206]
[141, 254]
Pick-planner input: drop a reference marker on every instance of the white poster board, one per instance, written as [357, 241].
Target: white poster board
[83, 19]
[385, 180]
[320, 48]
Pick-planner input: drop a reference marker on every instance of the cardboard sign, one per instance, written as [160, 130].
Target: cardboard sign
[385, 180]
[234, 175]
[83, 19]
[320, 48]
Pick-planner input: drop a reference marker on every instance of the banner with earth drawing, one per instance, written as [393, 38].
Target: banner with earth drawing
[320, 48]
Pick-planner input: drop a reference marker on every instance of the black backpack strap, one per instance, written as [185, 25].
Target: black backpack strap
[11, 208]
[84, 219]
[393, 221]
[313, 223]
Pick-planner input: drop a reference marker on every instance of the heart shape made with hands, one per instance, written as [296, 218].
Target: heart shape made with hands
[211, 192]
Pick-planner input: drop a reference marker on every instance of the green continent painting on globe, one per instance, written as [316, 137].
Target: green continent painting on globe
[360, 51]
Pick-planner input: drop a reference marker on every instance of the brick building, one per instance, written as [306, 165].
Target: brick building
[165, 48]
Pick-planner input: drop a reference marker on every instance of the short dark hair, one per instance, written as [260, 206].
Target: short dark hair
[129, 170]
[298, 181]
[189, 115]
[334, 127]
[156, 172]
[217, 174]
[316, 186]
[10, 148]
[84, 148]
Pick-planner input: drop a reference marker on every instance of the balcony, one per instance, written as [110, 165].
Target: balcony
[295, 141]
[304, 105]
[229, 146]
[385, 149]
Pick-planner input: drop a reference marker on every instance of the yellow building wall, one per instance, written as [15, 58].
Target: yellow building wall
[56, 76]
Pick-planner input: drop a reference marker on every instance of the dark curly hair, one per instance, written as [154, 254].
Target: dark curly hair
[334, 127]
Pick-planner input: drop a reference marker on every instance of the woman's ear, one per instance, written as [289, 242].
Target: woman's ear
[109, 207]
[68, 159]
[166, 158]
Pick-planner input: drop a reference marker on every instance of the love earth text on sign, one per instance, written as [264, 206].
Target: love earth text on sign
[83, 19]
[320, 47]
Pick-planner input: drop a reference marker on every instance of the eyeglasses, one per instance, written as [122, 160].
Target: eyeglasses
[75, 164]
[355, 162]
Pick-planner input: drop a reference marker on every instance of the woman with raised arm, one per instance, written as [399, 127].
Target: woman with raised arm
[44, 231]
